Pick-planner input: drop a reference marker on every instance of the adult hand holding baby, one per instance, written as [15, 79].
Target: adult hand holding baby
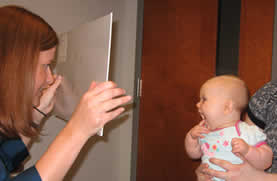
[234, 172]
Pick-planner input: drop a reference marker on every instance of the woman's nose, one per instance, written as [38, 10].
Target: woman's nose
[198, 105]
[50, 77]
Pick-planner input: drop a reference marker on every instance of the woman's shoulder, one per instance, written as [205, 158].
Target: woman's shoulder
[266, 94]
[270, 87]
[4, 173]
[12, 153]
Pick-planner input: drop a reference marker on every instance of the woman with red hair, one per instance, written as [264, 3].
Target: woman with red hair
[27, 48]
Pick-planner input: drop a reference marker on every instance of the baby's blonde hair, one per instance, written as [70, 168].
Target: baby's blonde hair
[234, 87]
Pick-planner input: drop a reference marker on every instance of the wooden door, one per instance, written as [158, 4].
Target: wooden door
[256, 39]
[178, 55]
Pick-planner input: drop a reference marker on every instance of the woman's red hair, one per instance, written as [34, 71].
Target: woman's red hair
[23, 35]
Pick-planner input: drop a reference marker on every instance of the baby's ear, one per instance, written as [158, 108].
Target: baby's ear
[228, 107]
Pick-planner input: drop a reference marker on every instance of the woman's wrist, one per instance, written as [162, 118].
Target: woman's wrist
[76, 130]
[38, 115]
[40, 111]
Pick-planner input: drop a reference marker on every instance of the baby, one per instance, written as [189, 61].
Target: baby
[221, 134]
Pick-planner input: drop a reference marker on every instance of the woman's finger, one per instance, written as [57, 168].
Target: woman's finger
[222, 163]
[215, 173]
[201, 168]
[96, 88]
[241, 157]
[113, 103]
[56, 84]
[108, 94]
[111, 115]
[202, 176]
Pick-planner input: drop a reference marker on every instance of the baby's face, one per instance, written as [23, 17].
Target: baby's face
[211, 105]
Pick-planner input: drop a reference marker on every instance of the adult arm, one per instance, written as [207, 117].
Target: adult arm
[98, 106]
[47, 102]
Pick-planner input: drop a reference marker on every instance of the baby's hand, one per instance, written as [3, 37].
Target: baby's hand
[239, 146]
[198, 130]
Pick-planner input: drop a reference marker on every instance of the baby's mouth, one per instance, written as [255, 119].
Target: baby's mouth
[202, 116]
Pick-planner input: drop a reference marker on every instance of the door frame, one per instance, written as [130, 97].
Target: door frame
[137, 89]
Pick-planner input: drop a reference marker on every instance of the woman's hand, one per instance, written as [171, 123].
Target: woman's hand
[98, 106]
[235, 172]
[47, 99]
[201, 176]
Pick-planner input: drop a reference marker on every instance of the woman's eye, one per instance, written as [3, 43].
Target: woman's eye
[46, 66]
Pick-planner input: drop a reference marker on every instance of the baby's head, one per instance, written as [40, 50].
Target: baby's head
[222, 98]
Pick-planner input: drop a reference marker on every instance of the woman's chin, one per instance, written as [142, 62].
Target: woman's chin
[36, 102]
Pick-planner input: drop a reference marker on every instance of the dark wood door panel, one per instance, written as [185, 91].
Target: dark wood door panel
[179, 49]
[256, 36]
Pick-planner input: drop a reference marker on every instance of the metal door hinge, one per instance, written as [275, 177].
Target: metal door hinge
[139, 87]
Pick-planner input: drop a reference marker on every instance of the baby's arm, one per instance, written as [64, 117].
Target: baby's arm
[192, 145]
[259, 156]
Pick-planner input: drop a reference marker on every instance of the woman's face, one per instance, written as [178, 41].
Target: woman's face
[43, 75]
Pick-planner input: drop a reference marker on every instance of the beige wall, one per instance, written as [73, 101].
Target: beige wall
[107, 158]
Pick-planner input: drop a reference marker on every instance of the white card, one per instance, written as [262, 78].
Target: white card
[83, 56]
